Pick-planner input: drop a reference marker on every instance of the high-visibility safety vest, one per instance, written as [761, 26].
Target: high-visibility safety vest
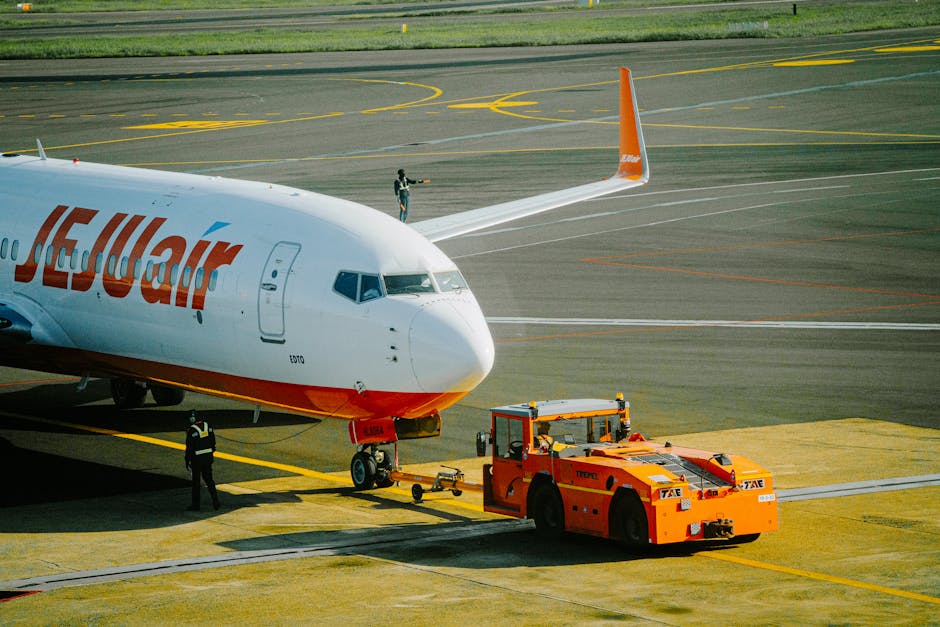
[201, 432]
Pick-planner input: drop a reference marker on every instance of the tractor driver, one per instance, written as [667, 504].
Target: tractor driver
[543, 440]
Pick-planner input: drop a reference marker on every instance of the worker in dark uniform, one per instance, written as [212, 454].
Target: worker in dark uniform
[403, 193]
[200, 445]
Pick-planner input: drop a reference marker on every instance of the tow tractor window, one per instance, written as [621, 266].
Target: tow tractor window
[507, 442]
[450, 281]
[407, 284]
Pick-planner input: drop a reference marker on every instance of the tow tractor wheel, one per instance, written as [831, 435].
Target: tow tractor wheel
[363, 469]
[628, 521]
[548, 512]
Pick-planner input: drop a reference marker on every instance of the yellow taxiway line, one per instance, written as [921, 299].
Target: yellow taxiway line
[798, 572]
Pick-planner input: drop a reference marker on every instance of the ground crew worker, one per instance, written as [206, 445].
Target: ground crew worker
[200, 445]
[403, 193]
[542, 439]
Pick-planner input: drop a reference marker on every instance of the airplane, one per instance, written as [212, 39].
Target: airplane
[267, 294]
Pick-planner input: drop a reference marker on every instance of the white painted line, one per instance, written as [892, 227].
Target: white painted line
[744, 324]
[857, 487]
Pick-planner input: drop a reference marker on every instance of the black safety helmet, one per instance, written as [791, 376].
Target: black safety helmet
[401, 173]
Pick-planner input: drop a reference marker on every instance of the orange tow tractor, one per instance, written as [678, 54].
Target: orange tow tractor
[574, 465]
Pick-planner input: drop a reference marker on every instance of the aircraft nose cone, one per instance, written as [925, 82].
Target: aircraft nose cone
[451, 346]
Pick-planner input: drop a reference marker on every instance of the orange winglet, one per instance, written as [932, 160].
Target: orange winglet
[632, 162]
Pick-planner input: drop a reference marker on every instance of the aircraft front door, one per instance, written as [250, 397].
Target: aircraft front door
[272, 292]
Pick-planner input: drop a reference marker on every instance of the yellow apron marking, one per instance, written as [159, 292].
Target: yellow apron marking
[199, 124]
[812, 62]
[820, 577]
[493, 105]
[909, 49]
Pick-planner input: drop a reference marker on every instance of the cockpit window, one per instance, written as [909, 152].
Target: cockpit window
[369, 288]
[347, 284]
[358, 287]
[451, 281]
[407, 284]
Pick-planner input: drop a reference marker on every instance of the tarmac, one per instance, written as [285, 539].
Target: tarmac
[306, 548]
[771, 292]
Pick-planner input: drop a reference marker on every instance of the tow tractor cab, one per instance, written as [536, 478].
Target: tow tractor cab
[573, 465]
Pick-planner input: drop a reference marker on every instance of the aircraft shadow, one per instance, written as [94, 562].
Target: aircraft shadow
[48, 400]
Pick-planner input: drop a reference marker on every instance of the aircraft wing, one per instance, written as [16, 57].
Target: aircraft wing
[633, 171]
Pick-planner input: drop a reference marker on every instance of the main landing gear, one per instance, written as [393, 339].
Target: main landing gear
[130, 393]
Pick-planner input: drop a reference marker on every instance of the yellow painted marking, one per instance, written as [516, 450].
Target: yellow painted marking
[722, 556]
[435, 93]
[813, 62]
[909, 49]
[198, 124]
[182, 132]
[491, 105]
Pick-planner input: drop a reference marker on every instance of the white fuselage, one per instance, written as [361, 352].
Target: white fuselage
[268, 294]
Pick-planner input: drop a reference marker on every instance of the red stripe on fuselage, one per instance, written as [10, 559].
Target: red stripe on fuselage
[304, 399]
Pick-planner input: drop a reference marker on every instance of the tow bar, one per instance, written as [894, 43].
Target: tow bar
[451, 479]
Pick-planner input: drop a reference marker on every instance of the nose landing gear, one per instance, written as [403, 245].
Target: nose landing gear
[371, 467]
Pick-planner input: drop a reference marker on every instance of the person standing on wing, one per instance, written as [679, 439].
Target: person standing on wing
[402, 192]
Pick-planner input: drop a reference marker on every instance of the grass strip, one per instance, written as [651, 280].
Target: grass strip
[577, 27]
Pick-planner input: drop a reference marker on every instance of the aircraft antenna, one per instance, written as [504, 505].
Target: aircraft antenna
[42, 153]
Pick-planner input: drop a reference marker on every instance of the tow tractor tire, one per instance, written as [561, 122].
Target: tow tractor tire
[127, 393]
[628, 522]
[548, 511]
[166, 396]
[362, 469]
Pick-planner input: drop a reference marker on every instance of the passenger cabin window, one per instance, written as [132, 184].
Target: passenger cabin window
[407, 284]
[358, 287]
[451, 281]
